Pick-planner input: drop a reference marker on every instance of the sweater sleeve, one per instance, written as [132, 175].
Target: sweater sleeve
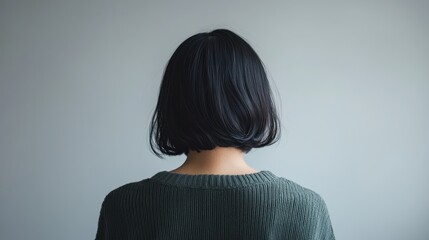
[321, 226]
[101, 229]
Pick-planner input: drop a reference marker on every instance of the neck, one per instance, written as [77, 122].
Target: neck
[220, 160]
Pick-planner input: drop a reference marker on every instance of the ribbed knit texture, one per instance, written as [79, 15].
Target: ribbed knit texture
[180, 206]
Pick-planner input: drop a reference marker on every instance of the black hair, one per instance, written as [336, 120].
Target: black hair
[214, 92]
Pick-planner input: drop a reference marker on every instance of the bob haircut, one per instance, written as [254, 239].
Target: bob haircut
[214, 92]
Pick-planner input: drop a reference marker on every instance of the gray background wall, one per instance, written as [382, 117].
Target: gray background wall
[79, 82]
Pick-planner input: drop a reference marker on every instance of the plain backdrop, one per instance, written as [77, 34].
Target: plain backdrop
[80, 79]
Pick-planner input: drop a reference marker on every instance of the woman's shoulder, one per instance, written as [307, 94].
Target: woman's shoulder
[299, 194]
[308, 208]
[126, 190]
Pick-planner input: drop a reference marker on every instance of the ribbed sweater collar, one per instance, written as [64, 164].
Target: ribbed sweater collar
[213, 180]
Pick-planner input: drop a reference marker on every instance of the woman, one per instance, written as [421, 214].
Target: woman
[215, 104]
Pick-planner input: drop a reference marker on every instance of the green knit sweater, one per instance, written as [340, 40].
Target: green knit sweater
[180, 206]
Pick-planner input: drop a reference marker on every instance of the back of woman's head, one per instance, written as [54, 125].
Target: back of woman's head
[214, 92]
